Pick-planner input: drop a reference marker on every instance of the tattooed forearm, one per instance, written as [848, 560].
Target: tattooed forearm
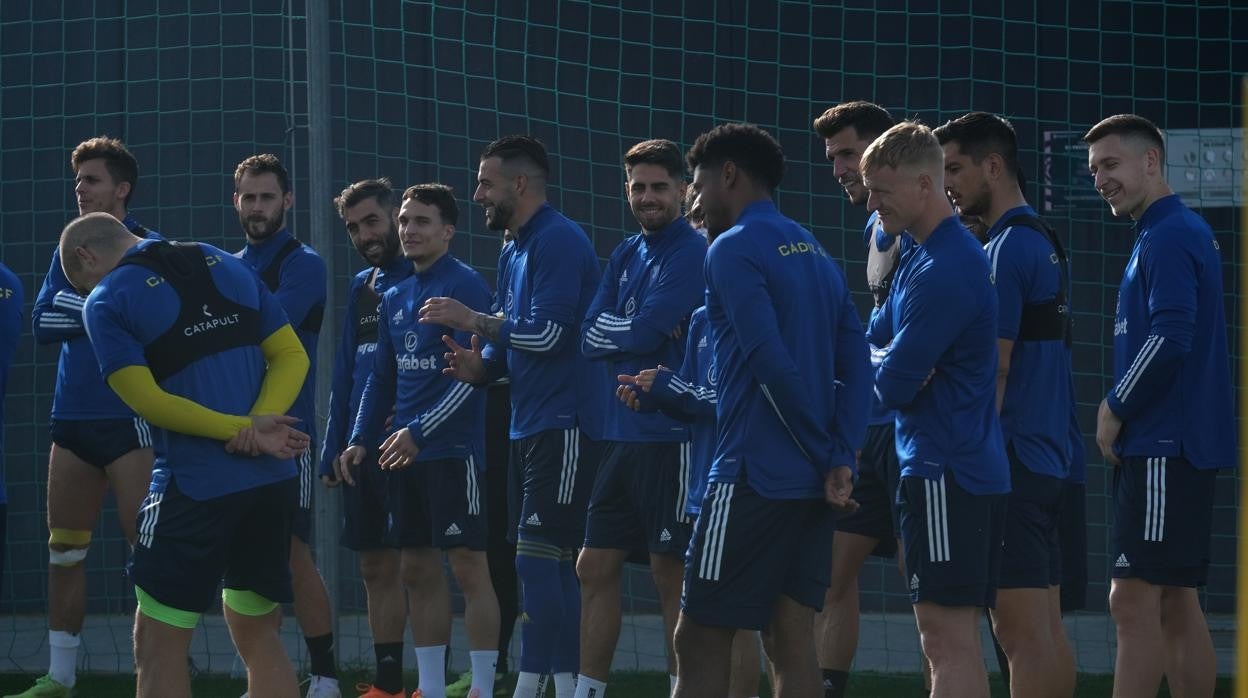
[488, 326]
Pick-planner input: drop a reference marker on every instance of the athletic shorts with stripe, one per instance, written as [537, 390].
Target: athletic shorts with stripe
[186, 547]
[553, 472]
[638, 498]
[101, 441]
[747, 550]
[876, 491]
[952, 541]
[1030, 556]
[301, 527]
[366, 507]
[1163, 521]
[439, 503]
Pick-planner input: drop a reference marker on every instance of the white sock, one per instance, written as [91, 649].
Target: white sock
[588, 688]
[63, 657]
[565, 685]
[431, 666]
[316, 680]
[484, 663]
[671, 687]
[530, 685]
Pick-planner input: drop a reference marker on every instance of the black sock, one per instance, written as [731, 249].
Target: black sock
[389, 666]
[834, 683]
[321, 651]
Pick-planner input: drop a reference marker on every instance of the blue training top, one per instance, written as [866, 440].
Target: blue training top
[547, 277]
[1035, 414]
[353, 361]
[133, 307]
[301, 289]
[81, 392]
[690, 395]
[794, 376]
[446, 418]
[942, 316]
[1172, 379]
[652, 283]
[11, 300]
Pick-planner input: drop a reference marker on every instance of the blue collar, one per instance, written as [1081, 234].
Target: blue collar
[534, 224]
[998, 227]
[1159, 209]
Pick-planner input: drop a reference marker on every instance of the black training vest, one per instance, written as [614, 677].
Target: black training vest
[367, 312]
[271, 276]
[208, 323]
[1048, 320]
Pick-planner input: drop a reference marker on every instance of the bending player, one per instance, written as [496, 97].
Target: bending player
[652, 283]
[938, 329]
[1034, 395]
[367, 210]
[793, 384]
[546, 279]
[295, 274]
[439, 442]
[97, 441]
[191, 340]
[1168, 424]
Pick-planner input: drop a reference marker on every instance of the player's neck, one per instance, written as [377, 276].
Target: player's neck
[930, 219]
[525, 210]
[422, 264]
[1159, 190]
[1002, 202]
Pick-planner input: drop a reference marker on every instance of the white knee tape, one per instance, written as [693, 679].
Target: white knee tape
[67, 558]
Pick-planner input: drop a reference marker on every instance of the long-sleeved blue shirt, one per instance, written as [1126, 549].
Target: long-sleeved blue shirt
[651, 285]
[690, 395]
[81, 392]
[794, 374]
[301, 289]
[11, 300]
[1035, 414]
[446, 418]
[547, 277]
[942, 316]
[353, 361]
[1172, 380]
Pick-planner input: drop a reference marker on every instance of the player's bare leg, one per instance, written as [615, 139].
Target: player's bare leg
[836, 627]
[788, 640]
[950, 639]
[160, 652]
[1023, 624]
[472, 574]
[599, 571]
[1140, 662]
[130, 476]
[387, 606]
[1061, 645]
[312, 608]
[702, 654]
[1191, 664]
[259, 643]
[668, 572]
[744, 673]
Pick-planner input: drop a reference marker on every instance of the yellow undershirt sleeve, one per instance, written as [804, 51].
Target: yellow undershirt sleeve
[288, 366]
[136, 387]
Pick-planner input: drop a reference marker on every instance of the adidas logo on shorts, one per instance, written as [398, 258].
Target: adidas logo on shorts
[452, 530]
[533, 520]
[665, 536]
[914, 581]
[1122, 561]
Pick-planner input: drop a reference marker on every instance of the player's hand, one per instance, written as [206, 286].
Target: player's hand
[389, 422]
[276, 437]
[1108, 426]
[643, 381]
[243, 443]
[628, 395]
[837, 488]
[464, 363]
[447, 312]
[348, 459]
[330, 481]
[398, 451]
